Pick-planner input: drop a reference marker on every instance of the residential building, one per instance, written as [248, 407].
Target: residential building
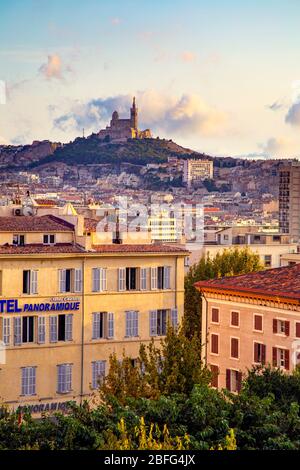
[250, 320]
[197, 170]
[67, 304]
[289, 199]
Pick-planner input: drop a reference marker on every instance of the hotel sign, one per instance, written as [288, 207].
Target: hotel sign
[57, 304]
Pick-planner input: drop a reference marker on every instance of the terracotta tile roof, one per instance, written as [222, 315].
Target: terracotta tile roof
[44, 223]
[90, 224]
[40, 248]
[139, 248]
[280, 282]
[45, 202]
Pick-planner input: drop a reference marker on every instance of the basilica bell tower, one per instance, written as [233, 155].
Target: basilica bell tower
[134, 115]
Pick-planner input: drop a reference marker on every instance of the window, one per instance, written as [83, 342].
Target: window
[28, 386]
[29, 282]
[297, 330]
[187, 258]
[98, 373]
[6, 330]
[215, 376]
[70, 280]
[276, 238]
[214, 345]
[131, 278]
[281, 326]
[258, 322]
[163, 277]
[233, 380]
[17, 331]
[259, 353]
[132, 325]
[18, 240]
[61, 328]
[215, 315]
[64, 378]
[143, 278]
[159, 321]
[27, 329]
[281, 358]
[268, 261]
[234, 348]
[103, 325]
[49, 239]
[99, 279]
[235, 319]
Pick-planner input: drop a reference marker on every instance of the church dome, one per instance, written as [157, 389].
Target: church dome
[115, 116]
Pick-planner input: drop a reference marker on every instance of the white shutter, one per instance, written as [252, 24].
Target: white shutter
[122, 279]
[103, 279]
[98, 372]
[33, 282]
[41, 330]
[78, 280]
[28, 380]
[110, 325]
[153, 278]
[128, 324]
[167, 281]
[62, 280]
[96, 325]
[174, 317]
[153, 322]
[17, 331]
[6, 330]
[143, 279]
[53, 329]
[64, 378]
[69, 327]
[135, 322]
[96, 279]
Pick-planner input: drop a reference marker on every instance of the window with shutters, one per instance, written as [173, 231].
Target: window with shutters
[98, 373]
[6, 333]
[214, 344]
[281, 327]
[70, 280]
[163, 277]
[131, 278]
[235, 319]
[281, 358]
[215, 313]
[233, 380]
[61, 328]
[99, 279]
[159, 322]
[153, 278]
[234, 348]
[17, 331]
[64, 378]
[132, 325]
[259, 353]
[102, 325]
[215, 375]
[30, 282]
[28, 381]
[258, 322]
[297, 329]
[18, 239]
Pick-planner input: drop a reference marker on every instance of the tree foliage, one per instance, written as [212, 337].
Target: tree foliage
[230, 262]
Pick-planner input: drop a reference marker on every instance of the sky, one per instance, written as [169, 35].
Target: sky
[221, 77]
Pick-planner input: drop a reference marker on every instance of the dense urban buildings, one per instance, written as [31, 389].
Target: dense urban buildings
[195, 171]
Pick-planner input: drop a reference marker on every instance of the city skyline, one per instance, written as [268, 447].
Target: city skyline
[220, 78]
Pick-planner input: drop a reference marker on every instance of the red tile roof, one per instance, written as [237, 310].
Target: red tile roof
[280, 282]
[37, 248]
[139, 248]
[44, 223]
[46, 202]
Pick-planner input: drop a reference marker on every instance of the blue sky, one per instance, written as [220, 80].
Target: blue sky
[221, 76]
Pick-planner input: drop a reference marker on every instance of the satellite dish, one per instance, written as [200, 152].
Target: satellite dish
[27, 211]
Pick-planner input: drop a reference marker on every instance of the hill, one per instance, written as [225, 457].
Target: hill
[94, 151]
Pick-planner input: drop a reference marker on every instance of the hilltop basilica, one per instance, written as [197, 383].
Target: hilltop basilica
[123, 129]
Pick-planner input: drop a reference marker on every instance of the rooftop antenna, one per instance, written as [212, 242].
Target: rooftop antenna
[83, 132]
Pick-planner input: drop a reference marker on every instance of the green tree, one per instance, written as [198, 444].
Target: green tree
[231, 262]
